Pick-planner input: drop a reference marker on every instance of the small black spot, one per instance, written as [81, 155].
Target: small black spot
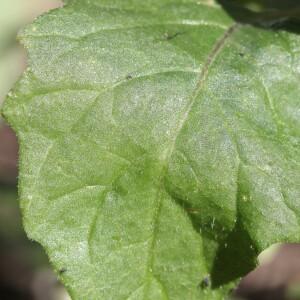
[205, 283]
[241, 54]
[62, 271]
[128, 77]
[168, 36]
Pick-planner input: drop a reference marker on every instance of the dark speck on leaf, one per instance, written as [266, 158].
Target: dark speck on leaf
[241, 54]
[205, 282]
[128, 77]
[62, 271]
[168, 36]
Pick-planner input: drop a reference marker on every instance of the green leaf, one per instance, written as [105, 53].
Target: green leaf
[159, 146]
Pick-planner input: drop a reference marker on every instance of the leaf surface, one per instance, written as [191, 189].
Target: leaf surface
[159, 146]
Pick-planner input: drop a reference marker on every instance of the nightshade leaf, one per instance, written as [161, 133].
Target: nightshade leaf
[159, 146]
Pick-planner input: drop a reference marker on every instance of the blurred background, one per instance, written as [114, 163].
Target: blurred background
[25, 273]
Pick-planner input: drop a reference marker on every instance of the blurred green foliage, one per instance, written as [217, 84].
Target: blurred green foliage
[9, 215]
[265, 13]
[11, 55]
[11, 230]
[261, 5]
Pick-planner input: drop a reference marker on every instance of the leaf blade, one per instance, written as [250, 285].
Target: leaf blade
[150, 183]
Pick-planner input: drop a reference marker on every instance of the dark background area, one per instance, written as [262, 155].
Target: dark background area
[24, 269]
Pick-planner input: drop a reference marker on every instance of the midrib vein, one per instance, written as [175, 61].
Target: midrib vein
[201, 80]
[219, 45]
